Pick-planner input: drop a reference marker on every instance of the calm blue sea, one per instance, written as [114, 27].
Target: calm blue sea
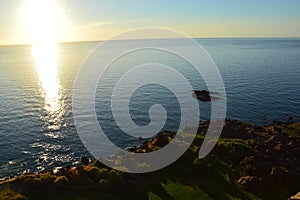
[261, 77]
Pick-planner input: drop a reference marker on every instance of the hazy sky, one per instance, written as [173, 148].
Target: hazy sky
[99, 19]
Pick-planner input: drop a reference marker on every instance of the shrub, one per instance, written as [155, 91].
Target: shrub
[200, 164]
[249, 165]
[47, 177]
[103, 184]
[115, 178]
[79, 177]
[233, 149]
[61, 181]
[9, 194]
[31, 182]
[93, 172]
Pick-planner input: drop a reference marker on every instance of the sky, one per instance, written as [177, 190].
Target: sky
[23, 21]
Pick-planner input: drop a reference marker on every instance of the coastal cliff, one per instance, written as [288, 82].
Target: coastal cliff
[248, 162]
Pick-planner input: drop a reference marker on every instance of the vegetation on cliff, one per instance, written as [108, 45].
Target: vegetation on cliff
[248, 162]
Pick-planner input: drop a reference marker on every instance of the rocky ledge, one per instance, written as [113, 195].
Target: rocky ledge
[247, 162]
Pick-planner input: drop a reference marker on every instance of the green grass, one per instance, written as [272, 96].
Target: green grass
[178, 191]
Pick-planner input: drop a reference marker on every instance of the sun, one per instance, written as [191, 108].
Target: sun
[42, 21]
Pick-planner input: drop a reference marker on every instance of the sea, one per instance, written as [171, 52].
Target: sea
[37, 132]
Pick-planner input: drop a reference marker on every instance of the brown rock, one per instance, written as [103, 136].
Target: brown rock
[84, 160]
[248, 181]
[277, 129]
[269, 140]
[295, 197]
[97, 163]
[278, 147]
[278, 172]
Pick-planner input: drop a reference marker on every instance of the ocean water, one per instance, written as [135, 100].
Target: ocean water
[261, 78]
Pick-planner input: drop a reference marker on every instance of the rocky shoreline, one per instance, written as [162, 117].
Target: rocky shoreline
[248, 162]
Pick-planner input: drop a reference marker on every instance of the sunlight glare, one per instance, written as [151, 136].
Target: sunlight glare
[42, 21]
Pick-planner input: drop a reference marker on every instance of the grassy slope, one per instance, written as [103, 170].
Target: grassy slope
[270, 153]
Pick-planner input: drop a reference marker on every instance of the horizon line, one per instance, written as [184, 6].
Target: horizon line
[229, 37]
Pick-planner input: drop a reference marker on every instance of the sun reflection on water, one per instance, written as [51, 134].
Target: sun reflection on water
[45, 56]
[42, 20]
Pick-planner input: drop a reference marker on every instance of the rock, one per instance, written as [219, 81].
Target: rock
[84, 160]
[61, 181]
[279, 123]
[259, 129]
[281, 136]
[278, 172]
[59, 171]
[277, 129]
[68, 167]
[270, 140]
[97, 163]
[295, 197]
[278, 147]
[40, 169]
[143, 149]
[131, 149]
[161, 140]
[204, 95]
[26, 171]
[248, 181]
[11, 162]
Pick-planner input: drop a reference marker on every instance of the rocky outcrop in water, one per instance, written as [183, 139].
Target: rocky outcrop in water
[205, 95]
